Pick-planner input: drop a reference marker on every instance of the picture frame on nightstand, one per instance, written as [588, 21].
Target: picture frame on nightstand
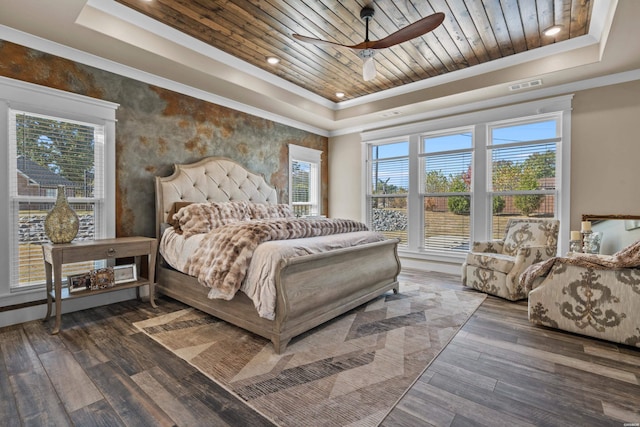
[125, 273]
[79, 282]
[102, 278]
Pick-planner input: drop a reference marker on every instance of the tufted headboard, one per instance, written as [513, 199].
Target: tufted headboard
[212, 179]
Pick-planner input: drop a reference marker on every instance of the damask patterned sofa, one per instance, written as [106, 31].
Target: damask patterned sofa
[588, 295]
[494, 267]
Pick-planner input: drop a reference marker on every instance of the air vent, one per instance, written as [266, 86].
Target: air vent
[525, 85]
[390, 113]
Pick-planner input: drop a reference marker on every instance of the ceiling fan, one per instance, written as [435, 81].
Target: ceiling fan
[366, 49]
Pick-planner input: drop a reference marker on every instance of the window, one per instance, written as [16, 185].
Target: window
[388, 189]
[446, 167]
[523, 170]
[50, 152]
[304, 180]
[448, 182]
[52, 138]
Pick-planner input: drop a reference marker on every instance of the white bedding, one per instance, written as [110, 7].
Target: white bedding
[259, 284]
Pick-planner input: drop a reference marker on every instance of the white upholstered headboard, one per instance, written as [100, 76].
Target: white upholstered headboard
[212, 179]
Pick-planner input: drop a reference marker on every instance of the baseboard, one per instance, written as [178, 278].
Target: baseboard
[427, 265]
[36, 310]
[22, 305]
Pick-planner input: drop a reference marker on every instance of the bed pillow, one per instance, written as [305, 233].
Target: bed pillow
[200, 218]
[266, 211]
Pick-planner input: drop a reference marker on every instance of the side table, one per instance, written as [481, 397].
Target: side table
[55, 255]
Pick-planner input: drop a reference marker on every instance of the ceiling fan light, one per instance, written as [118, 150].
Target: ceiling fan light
[368, 66]
[369, 69]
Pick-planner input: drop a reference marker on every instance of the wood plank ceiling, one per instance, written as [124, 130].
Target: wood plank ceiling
[474, 32]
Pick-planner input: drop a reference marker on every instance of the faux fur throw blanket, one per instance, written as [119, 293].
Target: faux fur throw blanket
[222, 259]
[628, 257]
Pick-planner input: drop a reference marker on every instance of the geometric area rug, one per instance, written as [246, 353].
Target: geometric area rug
[350, 371]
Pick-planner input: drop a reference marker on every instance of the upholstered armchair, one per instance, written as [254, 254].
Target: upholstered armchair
[587, 294]
[494, 267]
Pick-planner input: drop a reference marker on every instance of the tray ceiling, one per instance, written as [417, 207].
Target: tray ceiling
[474, 32]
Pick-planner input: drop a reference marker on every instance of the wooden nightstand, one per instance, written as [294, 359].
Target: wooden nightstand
[57, 254]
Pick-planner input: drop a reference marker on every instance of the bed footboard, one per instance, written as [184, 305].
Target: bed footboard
[316, 288]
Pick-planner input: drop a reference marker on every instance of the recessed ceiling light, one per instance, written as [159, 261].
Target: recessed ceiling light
[552, 31]
[340, 94]
[273, 60]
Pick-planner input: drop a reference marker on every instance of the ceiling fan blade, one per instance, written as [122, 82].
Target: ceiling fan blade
[411, 31]
[315, 41]
[363, 45]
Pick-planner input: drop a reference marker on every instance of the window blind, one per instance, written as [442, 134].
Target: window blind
[302, 188]
[446, 190]
[304, 180]
[47, 152]
[388, 189]
[523, 171]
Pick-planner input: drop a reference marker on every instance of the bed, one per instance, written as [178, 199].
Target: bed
[310, 289]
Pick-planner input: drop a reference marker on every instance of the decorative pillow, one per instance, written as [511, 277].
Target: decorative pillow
[200, 218]
[266, 211]
[284, 210]
[173, 210]
[233, 211]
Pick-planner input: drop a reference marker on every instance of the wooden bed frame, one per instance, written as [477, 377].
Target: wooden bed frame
[311, 289]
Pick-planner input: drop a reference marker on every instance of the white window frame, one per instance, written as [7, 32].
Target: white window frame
[422, 194]
[480, 211]
[370, 184]
[314, 157]
[489, 147]
[31, 98]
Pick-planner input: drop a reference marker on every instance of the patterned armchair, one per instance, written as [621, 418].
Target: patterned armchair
[589, 299]
[494, 267]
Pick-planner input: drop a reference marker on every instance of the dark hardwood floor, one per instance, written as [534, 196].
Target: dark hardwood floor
[498, 370]
[101, 371]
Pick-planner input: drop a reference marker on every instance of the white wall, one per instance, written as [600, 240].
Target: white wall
[605, 152]
[345, 177]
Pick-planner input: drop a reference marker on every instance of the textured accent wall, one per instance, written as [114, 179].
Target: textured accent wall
[157, 128]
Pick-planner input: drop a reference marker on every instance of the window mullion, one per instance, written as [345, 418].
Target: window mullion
[415, 238]
[480, 203]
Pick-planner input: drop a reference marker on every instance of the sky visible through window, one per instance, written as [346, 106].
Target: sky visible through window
[505, 134]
